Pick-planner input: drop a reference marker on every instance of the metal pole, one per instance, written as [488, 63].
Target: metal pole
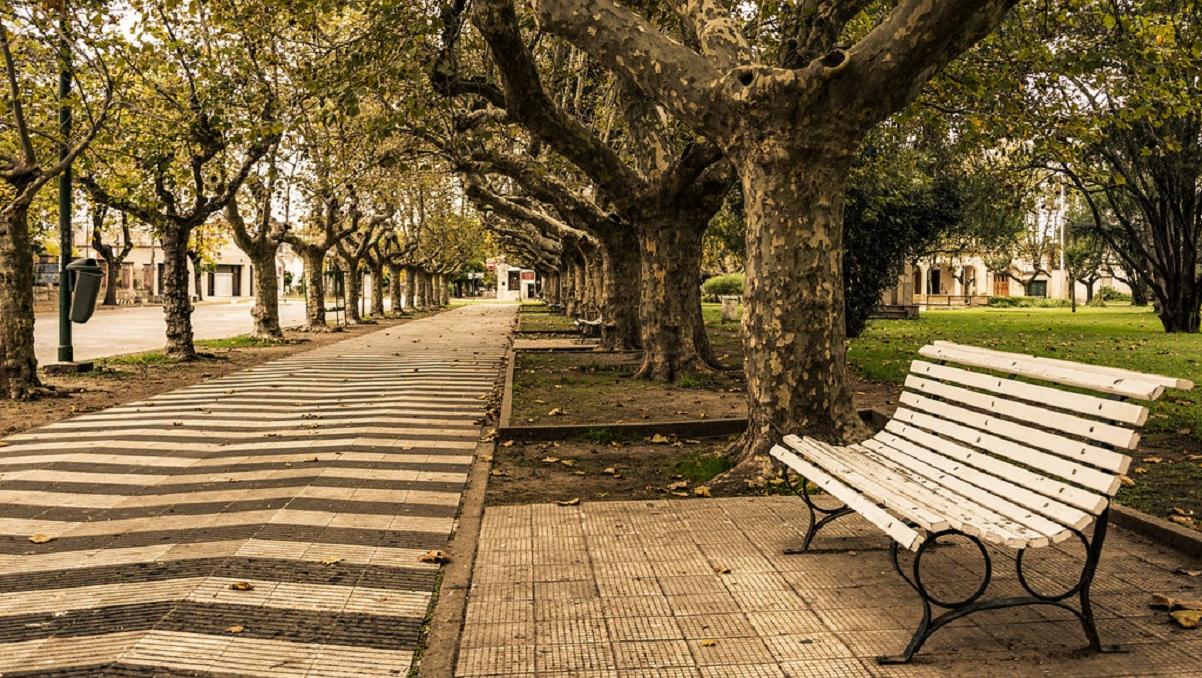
[66, 352]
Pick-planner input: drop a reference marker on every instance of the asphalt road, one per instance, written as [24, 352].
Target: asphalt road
[141, 328]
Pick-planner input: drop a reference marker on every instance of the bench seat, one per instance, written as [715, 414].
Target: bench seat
[992, 446]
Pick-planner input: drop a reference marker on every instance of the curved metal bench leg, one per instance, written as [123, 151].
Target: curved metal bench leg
[816, 523]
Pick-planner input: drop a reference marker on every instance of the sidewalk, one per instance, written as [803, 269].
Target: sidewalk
[268, 523]
[142, 328]
[700, 588]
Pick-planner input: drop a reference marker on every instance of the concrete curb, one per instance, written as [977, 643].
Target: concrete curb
[1156, 529]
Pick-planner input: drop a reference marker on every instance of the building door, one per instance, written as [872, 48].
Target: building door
[223, 283]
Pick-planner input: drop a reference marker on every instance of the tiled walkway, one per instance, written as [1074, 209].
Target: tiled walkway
[701, 588]
[268, 523]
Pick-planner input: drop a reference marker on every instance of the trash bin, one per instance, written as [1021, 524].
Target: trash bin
[86, 288]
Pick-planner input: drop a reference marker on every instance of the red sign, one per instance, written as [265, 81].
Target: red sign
[527, 275]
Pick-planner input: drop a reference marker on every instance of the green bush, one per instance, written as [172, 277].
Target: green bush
[1028, 302]
[1111, 294]
[731, 283]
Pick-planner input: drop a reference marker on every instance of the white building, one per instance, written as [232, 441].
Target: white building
[514, 283]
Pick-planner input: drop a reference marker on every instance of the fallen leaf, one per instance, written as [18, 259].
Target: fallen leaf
[242, 586]
[702, 491]
[550, 460]
[498, 473]
[1139, 469]
[1177, 510]
[435, 556]
[556, 412]
[1153, 460]
[1163, 602]
[312, 459]
[40, 538]
[1126, 481]
[681, 494]
[1187, 619]
[567, 462]
[330, 560]
[678, 485]
[719, 569]
[236, 628]
[708, 642]
[1181, 520]
[507, 443]
[660, 439]
[609, 470]
[570, 502]
[1188, 573]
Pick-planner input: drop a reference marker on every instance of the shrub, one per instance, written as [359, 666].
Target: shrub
[1111, 294]
[1028, 302]
[731, 283]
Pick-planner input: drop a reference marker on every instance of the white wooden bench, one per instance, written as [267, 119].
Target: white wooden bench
[588, 328]
[981, 447]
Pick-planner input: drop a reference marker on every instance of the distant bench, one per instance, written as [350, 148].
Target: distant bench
[974, 452]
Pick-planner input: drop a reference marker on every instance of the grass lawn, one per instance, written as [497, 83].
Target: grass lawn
[1119, 336]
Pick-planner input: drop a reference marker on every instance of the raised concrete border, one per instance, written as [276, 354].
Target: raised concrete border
[1156, 529]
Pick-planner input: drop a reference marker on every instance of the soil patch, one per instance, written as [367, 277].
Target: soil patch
[602, 468]
[133, 377]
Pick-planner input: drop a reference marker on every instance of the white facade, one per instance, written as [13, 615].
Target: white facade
[515, 284]
[231, 276]
[966, 281]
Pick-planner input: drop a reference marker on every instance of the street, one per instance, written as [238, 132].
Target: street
[141, 328]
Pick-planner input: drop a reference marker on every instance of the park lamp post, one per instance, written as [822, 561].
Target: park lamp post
[66, 351]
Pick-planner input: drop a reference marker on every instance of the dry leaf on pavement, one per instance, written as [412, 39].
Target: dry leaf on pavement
[435, 556]
[1187, 619]
[330, 560]
[236, 628]
[242, 586]
[40, 538]
[570, 502]
[702, 491]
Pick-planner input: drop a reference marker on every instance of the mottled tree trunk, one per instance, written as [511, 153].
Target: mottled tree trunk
[315, 290]
[673, 334]
[177, 303]
[620, 295]
[793, 329]
[1177, 303]
[113, 273]
[446, 289]
[428, 289]
[579, 289]
[18, 363]
[353, 285]
[377, 291]
[419, 277]
[267, 295]
[410, 288]
[394, 289]
[567, 283]
[551, 288]
[1140, 291]
[594, 282]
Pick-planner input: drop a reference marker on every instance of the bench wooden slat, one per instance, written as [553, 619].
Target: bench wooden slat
[1129, 388]
[897, 530]
[1068, 423]
[1119, 372]
[897, 502]
[1074, 496]
[1054, 510]
[1055, 443]
[1000, 505]
[1099, 481]
[874, 478]
[1082, 403]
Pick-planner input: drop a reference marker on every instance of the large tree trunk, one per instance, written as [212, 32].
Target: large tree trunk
[620, 294]
[551, 288]
[673, 333]
[18, 363]
[420, 282]
[267, 290]
[394, 289]
[377, 291]
[315, 291]
[1140, 291]
[1178, 302]
[793, 328]
[353, 284]
[177, 303]
[446, 289]
[410, 288]
[113, 271]
[567, 286]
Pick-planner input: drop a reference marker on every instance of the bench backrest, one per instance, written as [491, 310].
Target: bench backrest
[988, 409]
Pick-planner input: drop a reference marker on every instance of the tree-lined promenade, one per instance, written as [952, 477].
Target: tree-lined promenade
[623, 152]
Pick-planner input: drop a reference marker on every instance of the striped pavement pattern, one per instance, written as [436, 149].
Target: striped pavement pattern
[318, 479]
